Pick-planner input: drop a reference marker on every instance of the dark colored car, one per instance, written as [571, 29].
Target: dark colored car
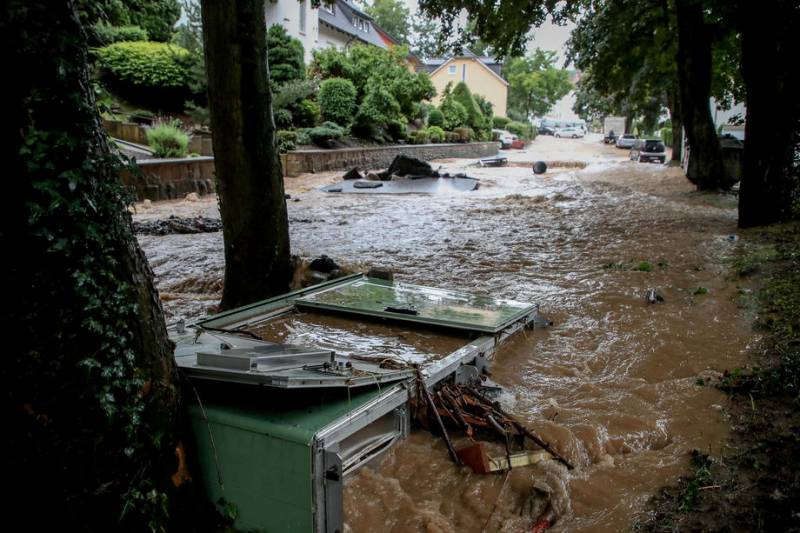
[546, 130]
[645, 150]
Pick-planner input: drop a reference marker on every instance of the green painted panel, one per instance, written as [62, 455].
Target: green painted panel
[262, 450]
[422, 304]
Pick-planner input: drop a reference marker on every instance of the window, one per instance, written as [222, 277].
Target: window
[330, 8]
[361, 24]
[452, 69]
[302, 16]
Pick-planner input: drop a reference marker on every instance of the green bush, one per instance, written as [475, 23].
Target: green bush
[376, 111]
[397, 129]
[462, 95]
[168, 140]
[465, 135]
[421, 137]
[455, 115]
[436, 134]
[500, 123]
[303, 138]
[337, 100]
[323, 135]
[283, 118]
[520, 129]
[105, 34]
[199, 114]
[451, 137]
[436, 118]
[285, 54]
[153, 73]
[287, 141]
[306, 113]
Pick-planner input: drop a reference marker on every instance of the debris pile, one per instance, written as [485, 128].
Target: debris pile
[176, 224]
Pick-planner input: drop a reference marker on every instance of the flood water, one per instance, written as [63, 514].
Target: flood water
[613, 383]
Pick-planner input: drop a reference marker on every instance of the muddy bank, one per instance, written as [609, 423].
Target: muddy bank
[613, 383]
[751, 483]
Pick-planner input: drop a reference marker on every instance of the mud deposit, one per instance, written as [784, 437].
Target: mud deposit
[612, 383]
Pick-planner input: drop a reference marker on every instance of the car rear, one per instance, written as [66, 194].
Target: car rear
[653, 150]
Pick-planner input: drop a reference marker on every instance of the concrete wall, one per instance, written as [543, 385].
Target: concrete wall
[478, 78]
[300, 161]
[199, 143]
[169, 179]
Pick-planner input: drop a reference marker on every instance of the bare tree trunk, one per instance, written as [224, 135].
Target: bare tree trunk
[677, 125]
[90, 390]
[249, 179]
[694, 75]
[769, 60]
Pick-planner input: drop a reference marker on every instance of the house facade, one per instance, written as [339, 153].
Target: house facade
[339, 24]
[480, 73]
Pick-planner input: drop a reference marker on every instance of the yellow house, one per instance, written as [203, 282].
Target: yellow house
[480, 73]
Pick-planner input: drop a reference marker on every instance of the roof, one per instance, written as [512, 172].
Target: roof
[492, 64]
[342, 20]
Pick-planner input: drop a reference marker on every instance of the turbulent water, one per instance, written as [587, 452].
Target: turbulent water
[613, 383]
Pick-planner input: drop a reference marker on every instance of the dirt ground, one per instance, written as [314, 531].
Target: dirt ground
[618, 385]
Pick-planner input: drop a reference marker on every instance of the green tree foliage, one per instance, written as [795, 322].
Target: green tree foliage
[426, 37]
[157, 17]
[436, 118]
[393, 16]
[285, 56]
[500, 122]
[104, 34]
[376, 111]
[535, 84]
[337, 100]
[189, 35]
[455, 114]
[475, 118]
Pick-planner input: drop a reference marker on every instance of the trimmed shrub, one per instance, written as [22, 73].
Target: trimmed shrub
[436, 134]
[435, 118]
[462, 95]
[306, 113]
[285, 54]
[421, 137]
[451, 137]
[148, 72]
[376, 111]
[105, 34]
[167, 140]
[464, 134]
[287, 141]
[520, 129]
[337, 100]
[283, 118]
[303, 138]
[397, 129]
[455, 115]
[323, 135]
[500, 122]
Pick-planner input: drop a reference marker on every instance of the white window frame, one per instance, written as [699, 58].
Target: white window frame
[452, 69]
[302, 17]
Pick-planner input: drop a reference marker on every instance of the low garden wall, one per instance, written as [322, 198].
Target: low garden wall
[169, 179]
[199, 143]
[300, 161]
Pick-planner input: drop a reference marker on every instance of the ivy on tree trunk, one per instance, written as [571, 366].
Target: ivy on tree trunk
[90, 389]
[248, 168]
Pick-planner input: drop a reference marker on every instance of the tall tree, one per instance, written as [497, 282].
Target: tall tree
[535, 84]
[393, 16]
[770, 181]
[158, 17]
[248, 168]
[90, 391]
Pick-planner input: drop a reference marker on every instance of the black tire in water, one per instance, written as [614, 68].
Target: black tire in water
[539, 167]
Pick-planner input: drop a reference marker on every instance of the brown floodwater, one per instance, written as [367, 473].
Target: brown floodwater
[613, 383]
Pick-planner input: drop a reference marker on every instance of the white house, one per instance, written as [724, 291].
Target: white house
[338, 24]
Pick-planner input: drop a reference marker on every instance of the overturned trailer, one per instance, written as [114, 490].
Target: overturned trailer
[295, 393]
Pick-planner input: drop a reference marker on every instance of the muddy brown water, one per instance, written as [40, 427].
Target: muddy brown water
[612, 383]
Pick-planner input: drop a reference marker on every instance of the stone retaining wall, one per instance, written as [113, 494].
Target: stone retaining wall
[169, 179]
[301, 161]
[199, 143]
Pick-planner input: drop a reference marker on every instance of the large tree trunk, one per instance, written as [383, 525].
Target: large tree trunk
[694, 74]
[90, 390]
[769, 61]
[677, 124]
[249, 180]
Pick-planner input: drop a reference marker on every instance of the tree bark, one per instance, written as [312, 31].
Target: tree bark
[769, 60]
[677, 125]
[91, 396]
[694, 76]
[249, 179]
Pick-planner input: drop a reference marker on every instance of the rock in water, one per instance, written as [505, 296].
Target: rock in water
[539, 167]
[353, 174]
[324, 264]
[403, 166]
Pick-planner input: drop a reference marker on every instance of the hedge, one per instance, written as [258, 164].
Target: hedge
[337, 101]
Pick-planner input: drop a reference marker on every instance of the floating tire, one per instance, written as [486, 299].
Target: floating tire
[539, 167]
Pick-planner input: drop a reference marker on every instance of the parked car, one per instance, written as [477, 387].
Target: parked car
[573, 133]
[505, 138]
[626, 141]
[546, 130]
[645, 150]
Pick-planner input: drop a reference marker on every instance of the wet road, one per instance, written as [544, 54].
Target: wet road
[612, 383]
